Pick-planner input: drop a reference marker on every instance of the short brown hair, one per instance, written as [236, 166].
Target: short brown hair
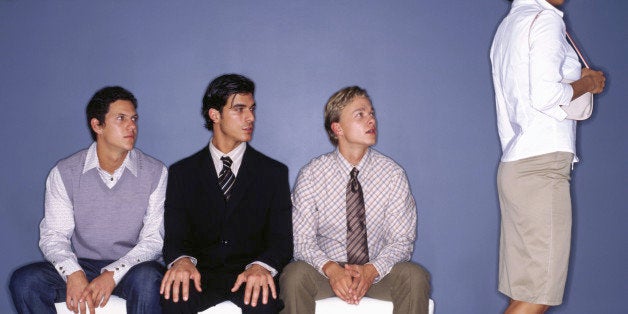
[336, 103]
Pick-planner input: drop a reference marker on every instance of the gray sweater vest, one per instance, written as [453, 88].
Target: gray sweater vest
[108, 221]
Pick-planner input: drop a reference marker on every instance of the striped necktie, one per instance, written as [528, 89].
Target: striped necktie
[357, 245]
[226, 177]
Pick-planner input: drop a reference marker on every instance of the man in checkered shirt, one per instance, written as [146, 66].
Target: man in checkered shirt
[320, 219]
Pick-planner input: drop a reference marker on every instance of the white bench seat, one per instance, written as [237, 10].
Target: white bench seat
[333, 305]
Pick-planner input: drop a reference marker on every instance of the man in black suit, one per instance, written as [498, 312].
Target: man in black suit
[228, 223]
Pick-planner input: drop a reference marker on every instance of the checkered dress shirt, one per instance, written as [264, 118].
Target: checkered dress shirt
[319, 211]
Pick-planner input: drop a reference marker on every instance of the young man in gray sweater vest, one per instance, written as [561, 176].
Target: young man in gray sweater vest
[102, 231]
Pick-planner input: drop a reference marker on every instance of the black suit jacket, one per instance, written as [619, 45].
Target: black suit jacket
[254, 225]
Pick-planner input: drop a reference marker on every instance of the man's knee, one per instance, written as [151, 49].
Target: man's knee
[168, 306]
[144, 280]
[19, 281]
[146, 273]
[27, 278]
[294, 275]
[150, 268]
[195, 302]
[414, 275]
[273, 306]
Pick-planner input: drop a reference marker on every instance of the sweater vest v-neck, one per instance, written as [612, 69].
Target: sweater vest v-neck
[108, 221]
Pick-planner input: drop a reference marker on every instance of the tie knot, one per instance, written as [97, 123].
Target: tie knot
[226, 161]
[353, 182]
[354, 173]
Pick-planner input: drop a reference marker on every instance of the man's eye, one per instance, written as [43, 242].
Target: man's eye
[120, 118]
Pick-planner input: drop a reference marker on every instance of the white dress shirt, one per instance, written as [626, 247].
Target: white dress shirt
[530, 60]
[57, 226]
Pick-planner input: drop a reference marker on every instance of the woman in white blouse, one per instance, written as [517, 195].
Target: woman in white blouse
[536, 75]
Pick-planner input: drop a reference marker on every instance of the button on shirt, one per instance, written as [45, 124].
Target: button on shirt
[531, 64]
[58, 224]
[319, 211]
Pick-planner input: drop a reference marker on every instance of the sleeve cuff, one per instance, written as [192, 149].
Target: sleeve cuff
[319, 263]
[66, 268]
[273, 272]
[194, 261]
[382, 270]
[119, 269]
[123, 265]
[118, 272]
[557, 113]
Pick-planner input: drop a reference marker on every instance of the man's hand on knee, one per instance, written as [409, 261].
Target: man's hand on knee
[258, 279]
[363, 278]
[340, 280]
[75, 300]
[100, 289]
[177, 280]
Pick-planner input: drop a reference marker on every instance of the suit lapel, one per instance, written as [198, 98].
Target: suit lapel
[209, 180]
[245, 176]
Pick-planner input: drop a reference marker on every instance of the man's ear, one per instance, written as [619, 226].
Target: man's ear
[96, 126]
[214, 115]
[336, 128]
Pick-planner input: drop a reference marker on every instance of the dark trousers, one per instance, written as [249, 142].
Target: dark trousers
[35, 288]
[217, 289]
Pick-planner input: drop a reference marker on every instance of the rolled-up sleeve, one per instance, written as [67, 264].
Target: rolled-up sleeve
[547, 91]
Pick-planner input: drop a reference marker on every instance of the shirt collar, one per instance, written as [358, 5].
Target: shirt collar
[543, 3]
[236, 155]
[345, 167]
[91, 161]
[547, 6]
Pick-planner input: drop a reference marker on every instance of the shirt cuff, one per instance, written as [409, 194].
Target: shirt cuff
[382, 269]
[66, 268]
[320, 263]
[273, 272]
[118, 271]
[557, 113]
[123, 265]
[194, 261]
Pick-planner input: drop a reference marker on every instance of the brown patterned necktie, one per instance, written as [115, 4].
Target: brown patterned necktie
[357, 245]
[226, 177]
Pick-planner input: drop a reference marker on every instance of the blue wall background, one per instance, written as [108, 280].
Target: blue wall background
[425, 64]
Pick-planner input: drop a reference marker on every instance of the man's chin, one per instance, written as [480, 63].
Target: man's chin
[247, 138]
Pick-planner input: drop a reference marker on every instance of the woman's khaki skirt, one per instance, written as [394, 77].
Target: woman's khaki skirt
[535, 227]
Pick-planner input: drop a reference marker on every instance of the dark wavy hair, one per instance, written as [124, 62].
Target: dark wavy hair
[219, 91]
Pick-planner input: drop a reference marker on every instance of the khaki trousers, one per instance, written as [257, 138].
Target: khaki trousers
[535, 227]
[407, 286]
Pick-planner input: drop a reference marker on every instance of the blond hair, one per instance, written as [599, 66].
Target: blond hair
[336, 103]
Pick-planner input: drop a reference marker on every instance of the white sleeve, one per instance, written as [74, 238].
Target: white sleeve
[57, 227]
